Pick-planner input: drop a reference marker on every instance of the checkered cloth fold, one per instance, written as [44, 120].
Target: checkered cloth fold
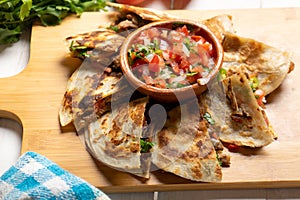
[34, 176]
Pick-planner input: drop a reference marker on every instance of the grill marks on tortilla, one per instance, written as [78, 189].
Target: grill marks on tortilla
[94, 80]
[269, 64]
[95, 39]
[117, 141]
[184, 146]
[246, 123]
[239, 119]
[126, 147]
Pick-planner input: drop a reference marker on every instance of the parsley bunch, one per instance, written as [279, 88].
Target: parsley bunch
[15, 15]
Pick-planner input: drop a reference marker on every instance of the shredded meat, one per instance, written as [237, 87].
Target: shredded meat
[224, 158]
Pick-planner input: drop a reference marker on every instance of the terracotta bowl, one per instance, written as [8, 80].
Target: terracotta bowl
[176, 94]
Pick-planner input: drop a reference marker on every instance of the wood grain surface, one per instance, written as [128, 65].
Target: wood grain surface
[33, 98]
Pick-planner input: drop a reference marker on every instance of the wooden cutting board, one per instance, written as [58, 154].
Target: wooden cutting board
[33, 98]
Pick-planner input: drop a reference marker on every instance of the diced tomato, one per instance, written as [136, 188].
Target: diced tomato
[148, 80]
[198, 69]
[183, 30]
[177, 58]
[203, 55]
[166, 54]
[154, 64]
[184, 64]
[133, 56]
[193, 79]
[208, 47]
[160, 83]
[154, 67]
[198, 38]
[187, 55]
[259, 95]
[175, 67]
[233, 147]
[138, 62]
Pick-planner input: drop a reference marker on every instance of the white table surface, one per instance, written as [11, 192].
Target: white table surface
[14, 58]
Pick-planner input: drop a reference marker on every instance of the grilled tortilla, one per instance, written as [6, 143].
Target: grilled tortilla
[114, 138]
[238, 117]
[186, 145]
[144, 13]
[220, 25]
[269, 64]
[95, 79]
[183, 147]
[86, 90]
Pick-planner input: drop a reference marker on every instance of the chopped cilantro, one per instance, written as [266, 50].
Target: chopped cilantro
[114, 28]
[254, 83]
[145, 145]
[191, 73]
[219, 160]
[222, 74]
[208, 118]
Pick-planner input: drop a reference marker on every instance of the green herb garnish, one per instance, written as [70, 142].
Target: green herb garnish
[191, 73]
[16, 15]
[219, 160]
[222, 74]
[254, 83]
[114, 28]
[145, 145]
[208, 118]
[79, 51]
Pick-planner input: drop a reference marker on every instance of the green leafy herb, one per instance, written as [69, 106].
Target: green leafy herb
[222, 74]
[114, 28]
[208, 118]
[254, 83]
[188, 43]
[219, 160]
[15, 15]
[146, 145]
[79, 51]
[191, 73]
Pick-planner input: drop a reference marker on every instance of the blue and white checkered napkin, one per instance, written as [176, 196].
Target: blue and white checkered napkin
[36, 177]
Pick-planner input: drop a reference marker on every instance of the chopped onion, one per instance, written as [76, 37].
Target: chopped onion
[147, 41]
[163, 45]
[149, 57]
[165, 73]
[178, 79]
[164, 34]
[185, 50]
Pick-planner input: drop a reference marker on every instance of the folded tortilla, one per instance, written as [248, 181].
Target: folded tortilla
[183, 147]
[114, 138]
[238, 117]
[269, 64]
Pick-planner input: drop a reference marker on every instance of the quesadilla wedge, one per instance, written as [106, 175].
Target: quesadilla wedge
[239, 119]
[95, 78]
[115, 138]
[91, 44]
[183, 147]
[268, 64]
[220, 25]
[144, 13]
[83, 89]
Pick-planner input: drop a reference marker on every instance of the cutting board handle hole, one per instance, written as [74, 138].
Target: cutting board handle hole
[11, 132]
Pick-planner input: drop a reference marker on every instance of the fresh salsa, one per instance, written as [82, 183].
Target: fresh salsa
[170, 58]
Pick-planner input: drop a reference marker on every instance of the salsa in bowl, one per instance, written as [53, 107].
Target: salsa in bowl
[168, 58]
